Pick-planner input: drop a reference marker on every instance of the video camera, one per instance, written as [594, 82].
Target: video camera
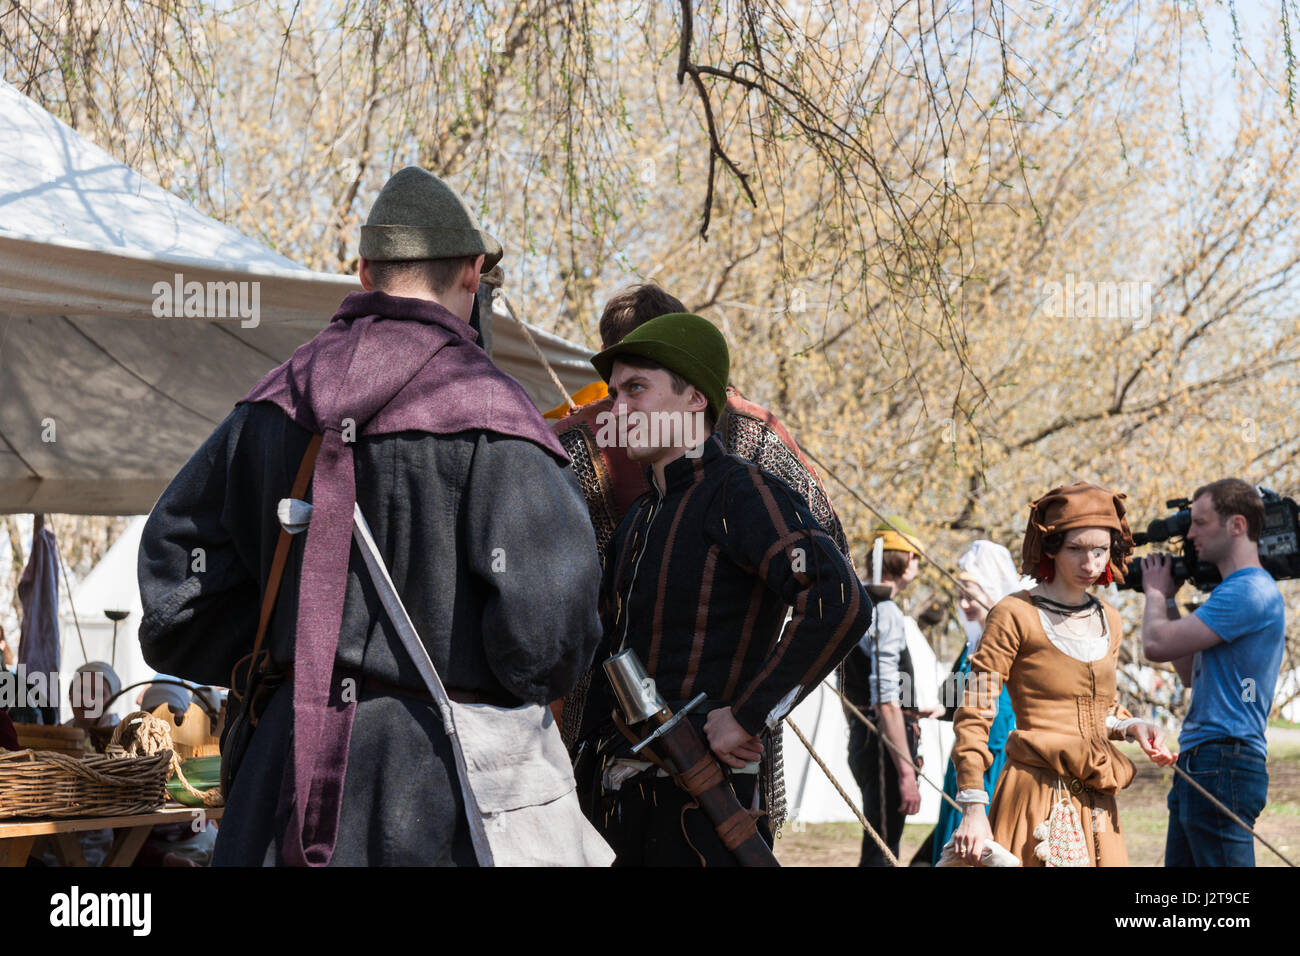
[1279, 544]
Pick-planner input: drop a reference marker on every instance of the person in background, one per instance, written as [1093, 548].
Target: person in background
[20, 710]
[8, 735]
[986, 575]
[879, 681]
[1229, 652]
[172, 844]
[7, 654]
[162, 691]
[93, 685]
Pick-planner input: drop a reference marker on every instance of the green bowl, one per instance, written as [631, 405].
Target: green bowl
[203, 773]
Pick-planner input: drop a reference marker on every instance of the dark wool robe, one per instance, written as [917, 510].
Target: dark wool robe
[487, 542]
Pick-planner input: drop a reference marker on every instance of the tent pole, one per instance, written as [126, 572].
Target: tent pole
[67, 585]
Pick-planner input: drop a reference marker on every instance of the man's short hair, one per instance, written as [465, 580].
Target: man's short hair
[893, 564]
[679, 384]
[438, 274]
[1232, 496]
[634, 306]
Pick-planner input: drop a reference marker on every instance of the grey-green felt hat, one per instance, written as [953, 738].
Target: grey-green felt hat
[418, 216]
[681, 342]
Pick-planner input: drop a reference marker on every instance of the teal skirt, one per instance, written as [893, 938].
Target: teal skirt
[999, 731]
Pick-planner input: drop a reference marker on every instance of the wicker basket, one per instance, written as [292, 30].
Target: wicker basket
[44, 783]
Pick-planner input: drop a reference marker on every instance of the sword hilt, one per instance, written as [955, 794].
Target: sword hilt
[671, 722]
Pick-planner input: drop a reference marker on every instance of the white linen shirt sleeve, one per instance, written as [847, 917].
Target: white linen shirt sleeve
[887, 631]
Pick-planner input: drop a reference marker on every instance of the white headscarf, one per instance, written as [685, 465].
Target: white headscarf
[991, 566]
[110, 676]
[106, 717]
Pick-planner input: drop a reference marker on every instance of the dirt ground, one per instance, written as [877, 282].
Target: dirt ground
[1142, 812]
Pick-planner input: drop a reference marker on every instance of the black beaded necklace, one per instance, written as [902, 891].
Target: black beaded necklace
[1057, 606]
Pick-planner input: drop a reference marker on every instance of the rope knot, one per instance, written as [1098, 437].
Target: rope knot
[141, 734]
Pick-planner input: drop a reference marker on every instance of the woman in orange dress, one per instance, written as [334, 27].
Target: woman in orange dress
[1056, 648]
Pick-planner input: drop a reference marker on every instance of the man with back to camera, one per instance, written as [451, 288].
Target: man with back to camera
[465, 489]
[1229, 652]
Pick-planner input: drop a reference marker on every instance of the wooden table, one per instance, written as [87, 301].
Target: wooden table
[129, 833]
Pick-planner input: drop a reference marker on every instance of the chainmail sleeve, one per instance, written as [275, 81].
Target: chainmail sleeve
[752, 432]
[760, 441]
[593, 477]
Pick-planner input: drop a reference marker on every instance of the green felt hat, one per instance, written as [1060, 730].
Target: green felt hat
[418, 216]
[683, 343]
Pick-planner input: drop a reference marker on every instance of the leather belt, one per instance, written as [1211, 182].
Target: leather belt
[1217, 742]
[752, 767]
[372, 685]
[461, 695]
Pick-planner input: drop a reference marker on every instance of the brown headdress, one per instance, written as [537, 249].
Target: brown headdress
[1081, 505]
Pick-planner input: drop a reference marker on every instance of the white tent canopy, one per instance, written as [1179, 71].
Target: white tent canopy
[101, 401]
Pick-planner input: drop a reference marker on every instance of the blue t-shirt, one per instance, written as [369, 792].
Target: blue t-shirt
[1233, 682]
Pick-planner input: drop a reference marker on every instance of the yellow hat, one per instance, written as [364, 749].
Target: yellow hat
[893, 541]
[583, 396]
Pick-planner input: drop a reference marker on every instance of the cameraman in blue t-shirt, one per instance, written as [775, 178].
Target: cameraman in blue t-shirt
[1229, 652]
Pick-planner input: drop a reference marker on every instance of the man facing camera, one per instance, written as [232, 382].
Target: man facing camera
[697, 581]
[1229, 652]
